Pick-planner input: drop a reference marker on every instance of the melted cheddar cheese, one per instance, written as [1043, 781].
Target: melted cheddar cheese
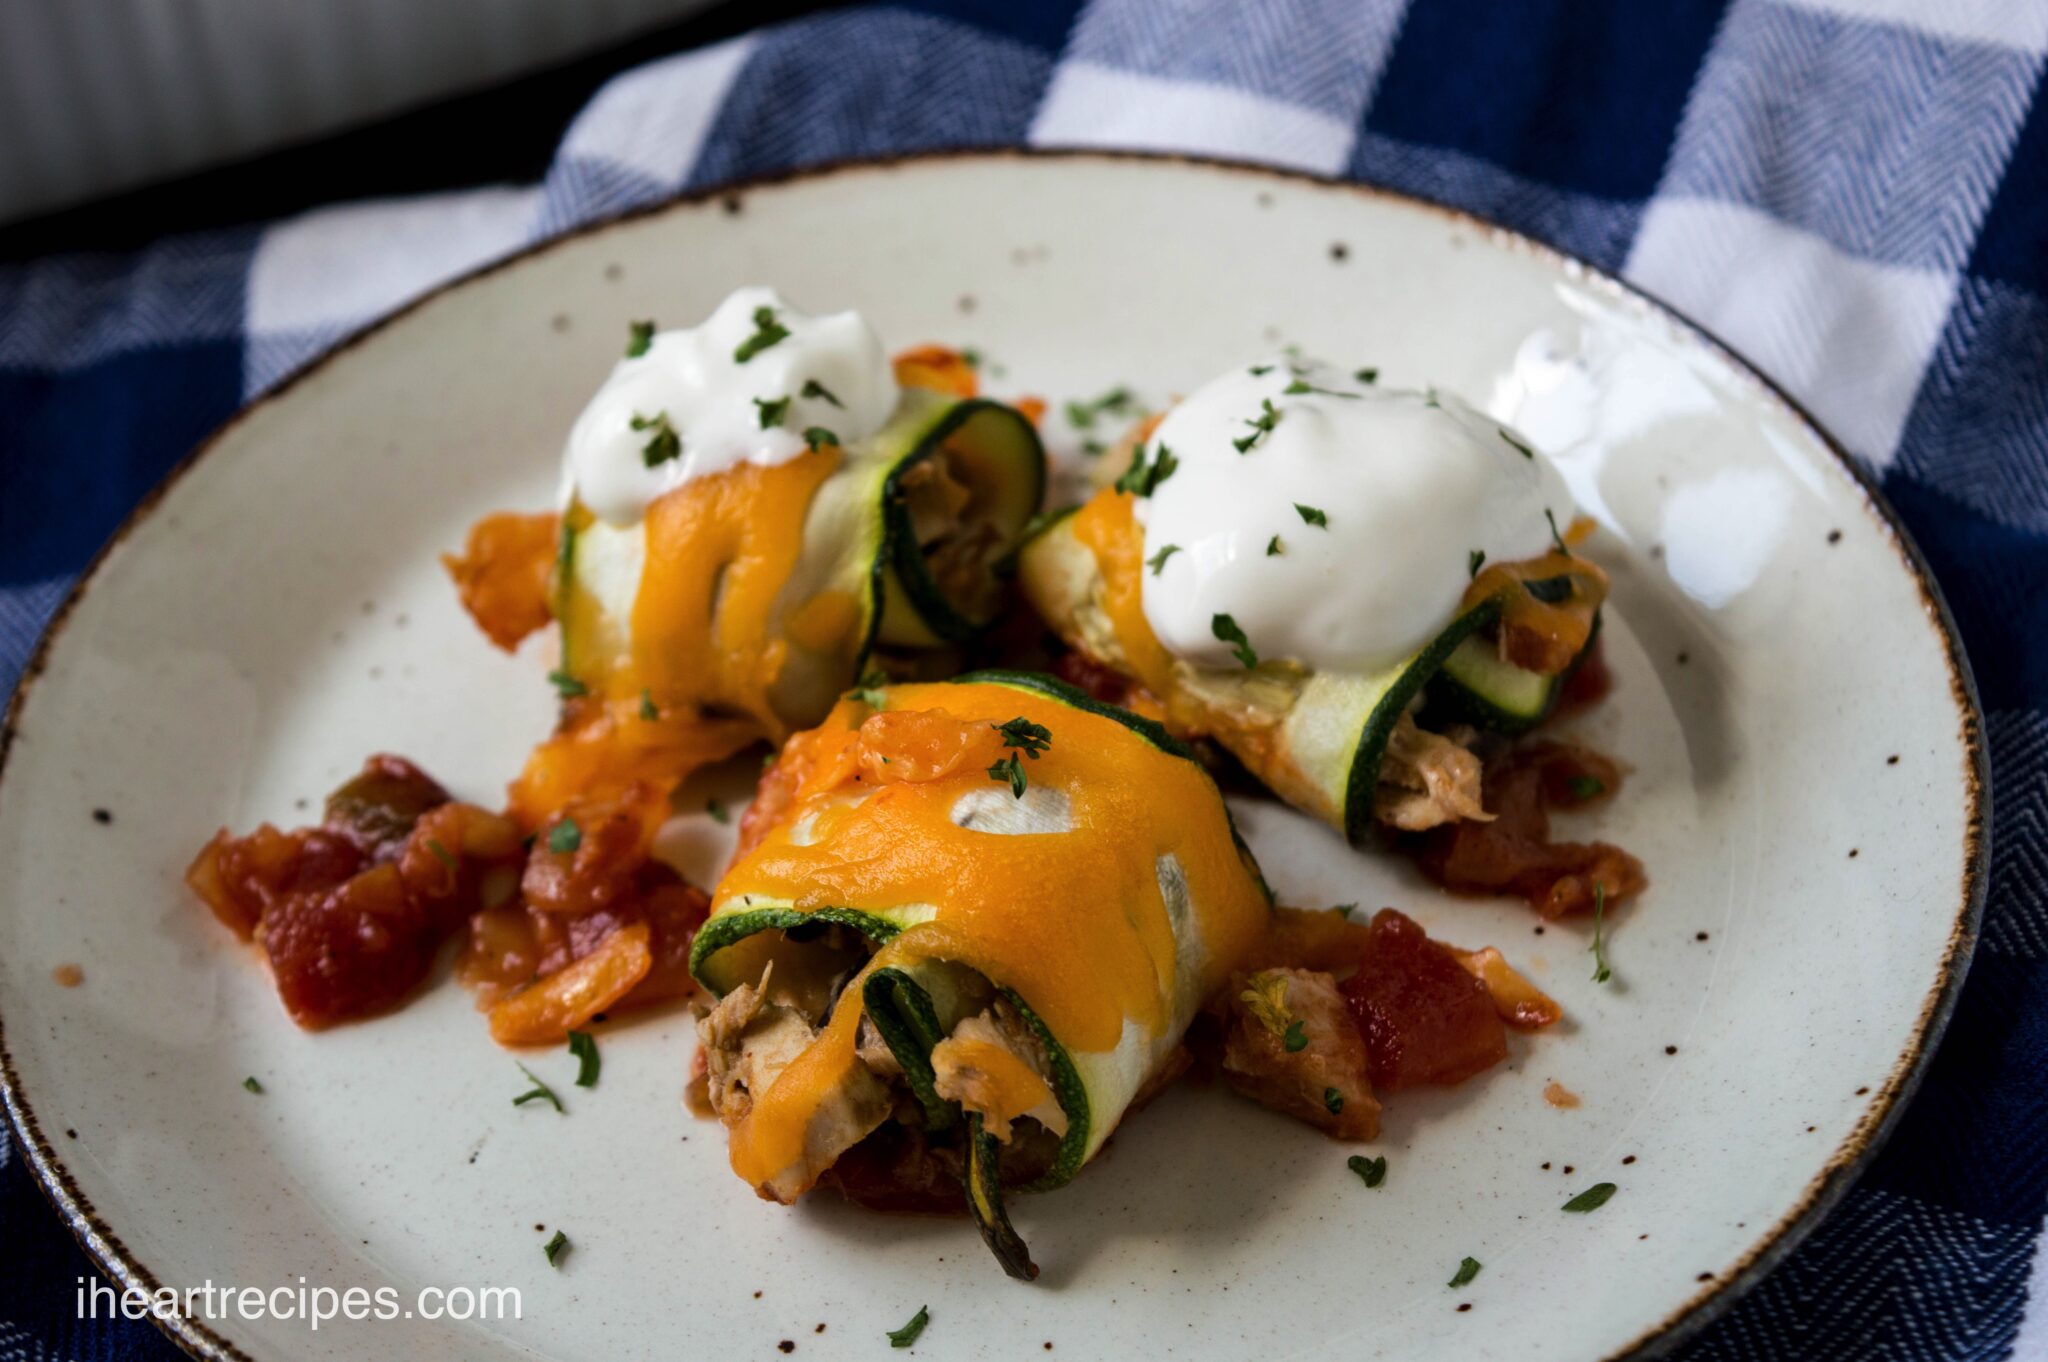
[1075, 921]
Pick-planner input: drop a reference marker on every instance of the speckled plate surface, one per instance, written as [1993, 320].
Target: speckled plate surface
[1807, 791]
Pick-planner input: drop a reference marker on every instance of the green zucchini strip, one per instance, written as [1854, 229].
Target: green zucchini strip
[1072, 1095]
[902, 1011]
[1480, 688]
[730, 928]
[1007, 458]
[985, 1203]
[1364, 776]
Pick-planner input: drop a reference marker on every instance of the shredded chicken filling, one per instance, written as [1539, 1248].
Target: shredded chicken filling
[1428, 779]
[991, 1064]
[958, 545]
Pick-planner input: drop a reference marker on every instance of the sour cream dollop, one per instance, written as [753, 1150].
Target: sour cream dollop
[1402, 488]
[832, 371]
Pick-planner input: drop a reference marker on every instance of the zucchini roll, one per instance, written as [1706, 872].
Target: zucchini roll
[847, 512]
[754, 509]
[966, 931]
[1340, 583]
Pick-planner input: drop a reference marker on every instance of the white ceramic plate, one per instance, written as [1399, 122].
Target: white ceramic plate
[1808, 793]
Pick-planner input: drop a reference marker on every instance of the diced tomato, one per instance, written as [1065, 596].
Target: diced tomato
[354, 951]
[513, 945]
[352, 913]
[378, 807]
[1589, 682]
[601, 853]
[546, 1011]
[1513, 854]
[1100, 682]
[1425, 1019]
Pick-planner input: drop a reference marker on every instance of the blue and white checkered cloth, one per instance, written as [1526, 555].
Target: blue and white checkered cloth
[1852, 192]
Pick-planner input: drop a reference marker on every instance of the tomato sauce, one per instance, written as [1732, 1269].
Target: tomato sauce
[1513, 854]
[1425, 1018]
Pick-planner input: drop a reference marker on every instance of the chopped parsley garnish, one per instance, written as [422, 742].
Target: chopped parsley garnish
[1467, 1270]
[648, 711]
[567, 686]
[1094, 448]
[1601, 974]
[1226, 631]
[767, 332]
[1273, 547]
[1474, 561]
[717, 811]
[251, 1084]
[1517, 445]
[970, 356]
[1019, 735]
[1592, 1199]
[1302, 385]
[583, 1045]
[1010, 771]
[1081, 415]
[539, 1092]
[1555, 537]
[1366, 375]
[772, 411]
[1587, 787]
[1022, 733]
[565, 837]
[664, 444]
[1345, 910]
[818, 435]
[907, 1335]
[639, 335]
[1296, 1039]
[1158, 560]
[555, 1248]
[1333, 1101]
[1262, 426]
[1372, 1172]
[1143, 479]
[1260, 370]
[443, 854]
[1312, 515]
[813, 388]
[868, 689]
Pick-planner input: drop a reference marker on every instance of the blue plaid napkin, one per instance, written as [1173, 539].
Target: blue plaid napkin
[1852, 192]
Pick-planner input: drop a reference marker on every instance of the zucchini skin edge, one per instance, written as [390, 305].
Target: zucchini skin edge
[900, 550]
[1364, 775]
[730, 928]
